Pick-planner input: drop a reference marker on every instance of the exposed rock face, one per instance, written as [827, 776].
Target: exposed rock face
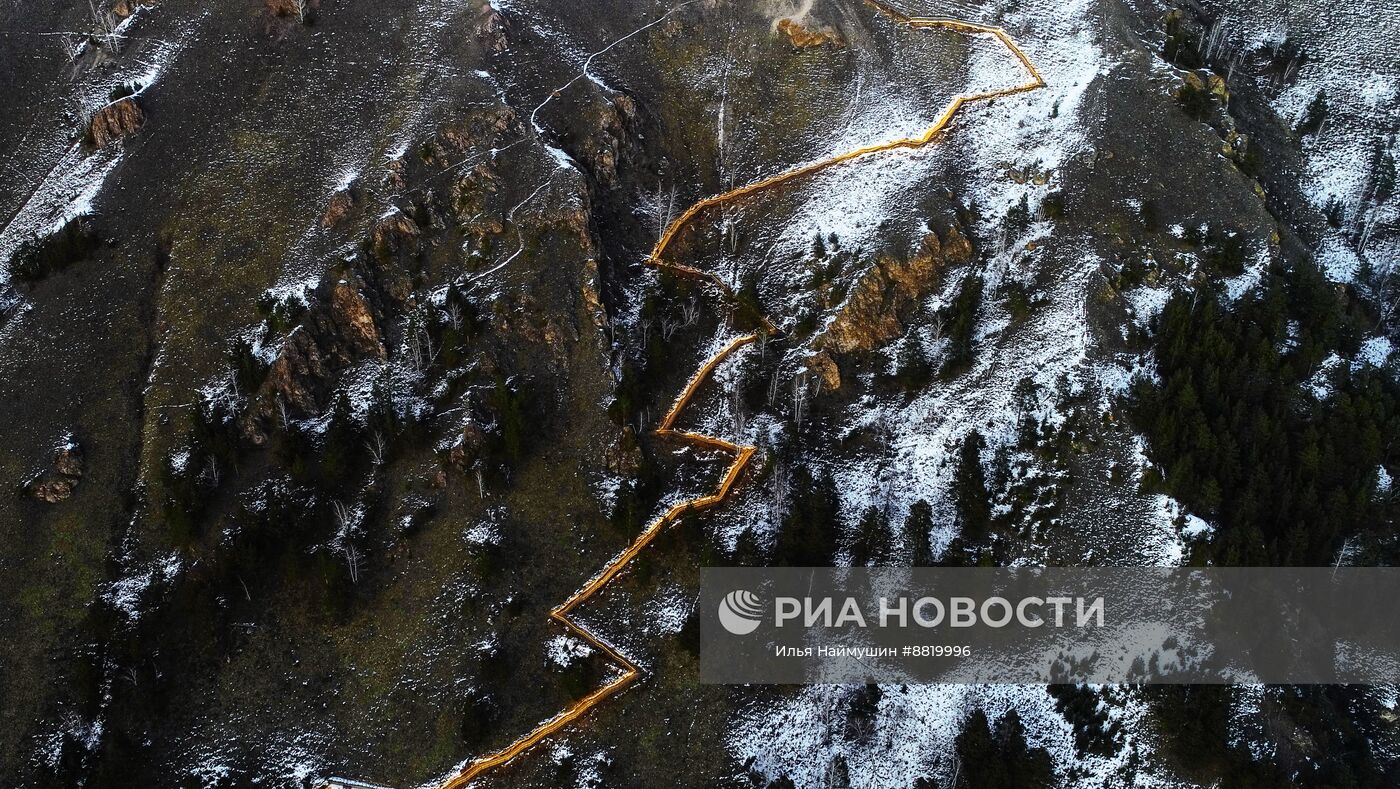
[468, 445]
[803, 37]
[957, 249]
[119, 119]
[293, 8]
[299, 380]
[339, 207]
[295, 381]
[125, 8]
[490, 27]
[57, 482]
[392, 234]
[298, 374]
[825, 367]
[611, 140]
[588, 291]
[353, 321]
[393, 239]
[880, 302]
[481, 128]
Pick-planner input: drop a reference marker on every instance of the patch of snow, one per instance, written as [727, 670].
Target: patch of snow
[564, 651]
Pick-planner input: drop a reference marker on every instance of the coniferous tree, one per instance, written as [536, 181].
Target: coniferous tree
[1314, 116]
[383, 415]
[810, 527]
[1287, 478]
[871, 543]
[962, 323]
[999, 758]
[343, 444]
[1385, 179]
[509, 406]
[917, 527]
[747, 552]
[970, 493]
[913, 371]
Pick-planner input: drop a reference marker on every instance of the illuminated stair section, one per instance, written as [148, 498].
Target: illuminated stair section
[630, 672]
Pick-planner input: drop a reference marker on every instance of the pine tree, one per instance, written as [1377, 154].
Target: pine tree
[383, 414]
[342, 443]
[871, 543]
[509, 407]
[748, 307]
[248, 370]
[746, 550]
[962, 323]
[1000, 758]
[917, 528]
[810, 527]
[913, 371]
[970, 492]
[1314, 116]
[1385, 179]
[1018, 218]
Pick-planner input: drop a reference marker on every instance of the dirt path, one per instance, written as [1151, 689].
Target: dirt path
[741, 453]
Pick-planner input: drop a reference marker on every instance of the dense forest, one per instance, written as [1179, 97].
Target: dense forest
[1262, 425]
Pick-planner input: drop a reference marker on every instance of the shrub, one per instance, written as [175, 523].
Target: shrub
[38, 257]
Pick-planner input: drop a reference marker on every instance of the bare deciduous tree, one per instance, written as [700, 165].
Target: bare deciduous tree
[799, 398]
[70, 45]
[421, 353]
[664, 208]
[352, 561]
[105, 26]
[344, 538]
[736, 407]
[377, 447]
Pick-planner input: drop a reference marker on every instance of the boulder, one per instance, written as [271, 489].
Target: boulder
[56, 483]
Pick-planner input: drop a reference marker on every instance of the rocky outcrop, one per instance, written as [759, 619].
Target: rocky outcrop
[353, 322]
[339, 207]
[881, 301]
[468, 446]
[340, 331]
[116, 120]
[490, 27]
[823, 366]
[298, 377]
[803, 37]
[392, 234]
[122, 9]
[56, 483]
[610, 140]
[394, 238]
[480, 130]
[957, 249]
[298, 9]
